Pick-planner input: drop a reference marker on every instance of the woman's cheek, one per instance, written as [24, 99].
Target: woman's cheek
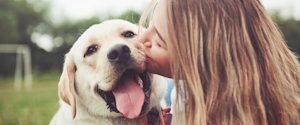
[161, 57]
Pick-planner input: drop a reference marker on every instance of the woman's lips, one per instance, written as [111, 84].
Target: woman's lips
[148, 58]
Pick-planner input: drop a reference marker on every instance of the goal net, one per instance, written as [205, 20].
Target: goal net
[21, 50]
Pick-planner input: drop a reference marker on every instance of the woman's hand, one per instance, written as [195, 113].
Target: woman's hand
[143, 120]
[164, 114]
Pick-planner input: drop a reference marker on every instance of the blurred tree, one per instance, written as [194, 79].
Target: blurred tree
[18, 20]
[291, 31]
[131, 16]
[67, 33]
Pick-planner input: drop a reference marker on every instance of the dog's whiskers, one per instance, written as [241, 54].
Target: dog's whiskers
[124, 119]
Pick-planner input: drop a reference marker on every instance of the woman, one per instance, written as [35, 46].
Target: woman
[235, 66]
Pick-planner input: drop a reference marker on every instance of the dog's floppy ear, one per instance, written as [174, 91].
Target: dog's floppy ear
[66, 90]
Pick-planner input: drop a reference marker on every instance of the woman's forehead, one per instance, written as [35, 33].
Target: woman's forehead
[158, 15]
[159, 8]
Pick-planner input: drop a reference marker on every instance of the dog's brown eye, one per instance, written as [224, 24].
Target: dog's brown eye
[91, 50]
[128, 34]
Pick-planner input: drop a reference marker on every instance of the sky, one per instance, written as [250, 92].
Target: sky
[287, 8]
[84, 9]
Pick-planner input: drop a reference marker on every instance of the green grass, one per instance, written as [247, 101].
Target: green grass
[34, 107]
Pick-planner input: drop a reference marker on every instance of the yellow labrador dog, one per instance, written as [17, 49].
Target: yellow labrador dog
[104, 79]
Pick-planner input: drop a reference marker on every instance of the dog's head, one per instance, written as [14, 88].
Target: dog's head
[105, 71]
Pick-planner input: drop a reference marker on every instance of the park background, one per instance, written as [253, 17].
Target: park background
[50, 27]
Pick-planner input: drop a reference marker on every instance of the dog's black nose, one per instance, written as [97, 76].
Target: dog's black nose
[119, 53]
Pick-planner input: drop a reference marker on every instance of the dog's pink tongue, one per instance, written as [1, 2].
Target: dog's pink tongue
[129, 97]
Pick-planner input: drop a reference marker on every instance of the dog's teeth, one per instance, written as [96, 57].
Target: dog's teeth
[139, 80]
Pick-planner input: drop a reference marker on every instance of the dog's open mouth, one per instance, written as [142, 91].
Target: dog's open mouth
[131, 94]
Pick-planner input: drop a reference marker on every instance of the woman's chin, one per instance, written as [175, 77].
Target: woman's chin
[158, 72]
[151, 69]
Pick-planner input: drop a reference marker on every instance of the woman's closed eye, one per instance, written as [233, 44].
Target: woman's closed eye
[157, 44]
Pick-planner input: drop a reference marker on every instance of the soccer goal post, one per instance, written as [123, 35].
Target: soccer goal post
[22, 50]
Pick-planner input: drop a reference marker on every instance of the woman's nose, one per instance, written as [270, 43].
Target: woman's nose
[145, 39]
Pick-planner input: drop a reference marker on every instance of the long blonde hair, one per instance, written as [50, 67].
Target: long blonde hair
[234, 63]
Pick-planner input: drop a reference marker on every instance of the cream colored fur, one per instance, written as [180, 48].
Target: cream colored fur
[80, 104]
